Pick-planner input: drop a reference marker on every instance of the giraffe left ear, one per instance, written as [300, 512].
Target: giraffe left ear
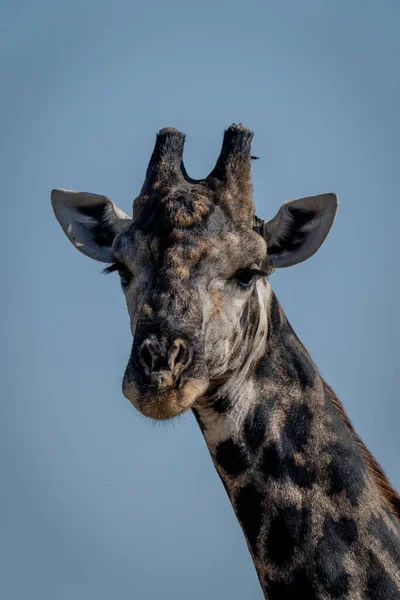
[298, 230]
[90, 221]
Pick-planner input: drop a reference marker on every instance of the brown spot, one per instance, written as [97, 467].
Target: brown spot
[182, 271]
[181, 218]
[147, 310]
[157, 182]
[176, 262]
[195, 253]
[177, 236]
[216, 302]
[185, 208]
[201, 206]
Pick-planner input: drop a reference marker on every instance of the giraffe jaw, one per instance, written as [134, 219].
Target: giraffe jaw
[164, 401]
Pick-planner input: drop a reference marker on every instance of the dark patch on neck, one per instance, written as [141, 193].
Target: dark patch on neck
[276, 463]
[346, 471]
[222, 404]
[278, 458]
[297, 427]
[249, 512]
[286, 359]
[336, 540]
[231, 458]
[297, 586]
[379, 585]
[216, 399]
[286, 534]
[255, 426]
[388, 538]
[298, 365]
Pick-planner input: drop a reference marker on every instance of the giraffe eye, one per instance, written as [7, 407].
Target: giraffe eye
[125, 276]
[245, 277]
[123, 272]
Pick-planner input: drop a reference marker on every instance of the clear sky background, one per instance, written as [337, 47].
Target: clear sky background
[97, 503]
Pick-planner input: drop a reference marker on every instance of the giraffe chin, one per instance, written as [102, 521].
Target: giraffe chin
[166, 403]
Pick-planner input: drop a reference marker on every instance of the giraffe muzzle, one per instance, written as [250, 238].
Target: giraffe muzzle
[161, 362]
[164, 378]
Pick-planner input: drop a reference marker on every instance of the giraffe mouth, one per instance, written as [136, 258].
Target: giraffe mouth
[165, 374]
[165, 400]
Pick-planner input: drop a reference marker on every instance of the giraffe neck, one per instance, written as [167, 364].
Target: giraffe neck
[315, 523]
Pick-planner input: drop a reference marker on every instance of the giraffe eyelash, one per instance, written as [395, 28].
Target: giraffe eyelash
[123, 272]
[116, 266]
[259, 272]
[253, 270]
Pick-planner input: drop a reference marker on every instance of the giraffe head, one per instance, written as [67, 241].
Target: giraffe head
[192, 262]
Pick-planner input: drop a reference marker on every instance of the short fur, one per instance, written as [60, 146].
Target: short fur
[320, 518]
[389, 495]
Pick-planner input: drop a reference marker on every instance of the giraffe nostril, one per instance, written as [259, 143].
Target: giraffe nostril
[178, 356]
[155, 356]
[146, 357]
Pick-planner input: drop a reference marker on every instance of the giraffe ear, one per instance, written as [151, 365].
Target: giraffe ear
[298, 230]
[90, 221]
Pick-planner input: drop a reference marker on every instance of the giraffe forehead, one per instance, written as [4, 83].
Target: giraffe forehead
[202, 252]
[215, 243]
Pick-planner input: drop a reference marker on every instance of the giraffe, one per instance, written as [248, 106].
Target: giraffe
[320, 518]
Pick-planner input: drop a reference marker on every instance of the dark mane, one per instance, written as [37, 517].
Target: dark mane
[390, 496]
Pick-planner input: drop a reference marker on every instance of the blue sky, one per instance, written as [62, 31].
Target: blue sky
[96, 502]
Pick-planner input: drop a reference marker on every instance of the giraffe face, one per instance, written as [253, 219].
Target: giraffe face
[191, 292]
[192, 261]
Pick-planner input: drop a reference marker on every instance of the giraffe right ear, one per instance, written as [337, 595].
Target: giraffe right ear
[298, 229]
[90, 221]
